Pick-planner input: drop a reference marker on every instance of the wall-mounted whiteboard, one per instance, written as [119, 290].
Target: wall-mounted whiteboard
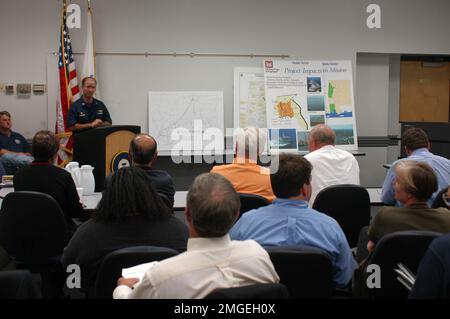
[290, 97]
[188, 117]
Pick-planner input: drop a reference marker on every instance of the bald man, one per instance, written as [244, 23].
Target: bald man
[143, 153]
[331, 166]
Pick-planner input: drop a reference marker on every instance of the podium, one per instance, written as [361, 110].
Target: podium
[104, 148]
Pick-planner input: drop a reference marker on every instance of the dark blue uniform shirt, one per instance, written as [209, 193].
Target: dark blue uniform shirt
[82, 112]
[15, 143]
[433, 276]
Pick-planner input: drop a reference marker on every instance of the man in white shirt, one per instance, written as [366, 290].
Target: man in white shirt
[331, 166]
[212, 259]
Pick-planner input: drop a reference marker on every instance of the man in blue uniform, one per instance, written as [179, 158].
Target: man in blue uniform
[14, 148]
[88, 112]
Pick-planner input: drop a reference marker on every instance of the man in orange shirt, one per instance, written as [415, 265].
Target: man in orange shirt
[244, 173]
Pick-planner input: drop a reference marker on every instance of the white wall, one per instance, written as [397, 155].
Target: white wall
[320, 29]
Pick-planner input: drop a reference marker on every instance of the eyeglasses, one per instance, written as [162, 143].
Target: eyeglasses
[446, 199]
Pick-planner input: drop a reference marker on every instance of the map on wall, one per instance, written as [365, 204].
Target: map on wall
[182, 118]
[249, 100]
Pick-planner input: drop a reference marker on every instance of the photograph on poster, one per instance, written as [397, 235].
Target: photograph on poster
[302, 138]
[316, 102]
[283, 139]
[314, 84]
[315, 119]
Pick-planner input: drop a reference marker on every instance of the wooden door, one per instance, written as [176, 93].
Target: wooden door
[424, 91]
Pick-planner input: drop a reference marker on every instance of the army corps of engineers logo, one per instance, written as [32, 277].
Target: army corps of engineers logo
[120, 160]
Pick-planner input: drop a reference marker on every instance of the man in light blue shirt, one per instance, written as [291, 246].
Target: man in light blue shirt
[289, 222]
[417, 146]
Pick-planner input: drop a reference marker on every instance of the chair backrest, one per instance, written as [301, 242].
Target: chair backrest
[19, 284]
[257, 291]
[406, 247]
[251, 201]
[111, 267]
[361, 249]
[32, 226]
[305, 271]
[438, 200]
[349, 205]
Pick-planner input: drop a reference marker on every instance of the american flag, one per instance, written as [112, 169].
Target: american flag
[68, 91]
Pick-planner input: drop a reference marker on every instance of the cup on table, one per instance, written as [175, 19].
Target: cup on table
[80, 192]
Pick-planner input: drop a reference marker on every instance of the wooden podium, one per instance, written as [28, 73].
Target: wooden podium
[104, 148]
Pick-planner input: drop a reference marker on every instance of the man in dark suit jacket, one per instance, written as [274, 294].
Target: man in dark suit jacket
[42, 176]
[143, 153]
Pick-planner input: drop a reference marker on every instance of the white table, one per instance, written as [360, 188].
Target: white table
[375, 196]
[90, 201]
[180, 200]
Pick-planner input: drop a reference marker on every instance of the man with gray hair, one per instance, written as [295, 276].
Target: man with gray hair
[331, 166]
[244, 173]
[212, 259]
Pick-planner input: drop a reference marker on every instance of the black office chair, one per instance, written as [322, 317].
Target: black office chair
[111, 267]
[438, 200]
[19, 284]
[406, 247]
[305, 271]
[32, 227]
[256, 291]
[349, 205]
[34, 232]
[251, 201]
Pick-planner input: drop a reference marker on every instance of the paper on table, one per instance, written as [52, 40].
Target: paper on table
[137, 271]
[406, 277]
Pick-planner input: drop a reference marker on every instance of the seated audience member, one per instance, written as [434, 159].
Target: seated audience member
[14, 148]
[331, 166]
[2, 170]
[43, 176]
[415, 182]
[143, 153]
[417, 146]
[244, 173]
[288, 221]
[212, 260]
[130, 213]
[433, 276]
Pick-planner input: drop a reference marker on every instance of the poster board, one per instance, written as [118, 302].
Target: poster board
[298, 95]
